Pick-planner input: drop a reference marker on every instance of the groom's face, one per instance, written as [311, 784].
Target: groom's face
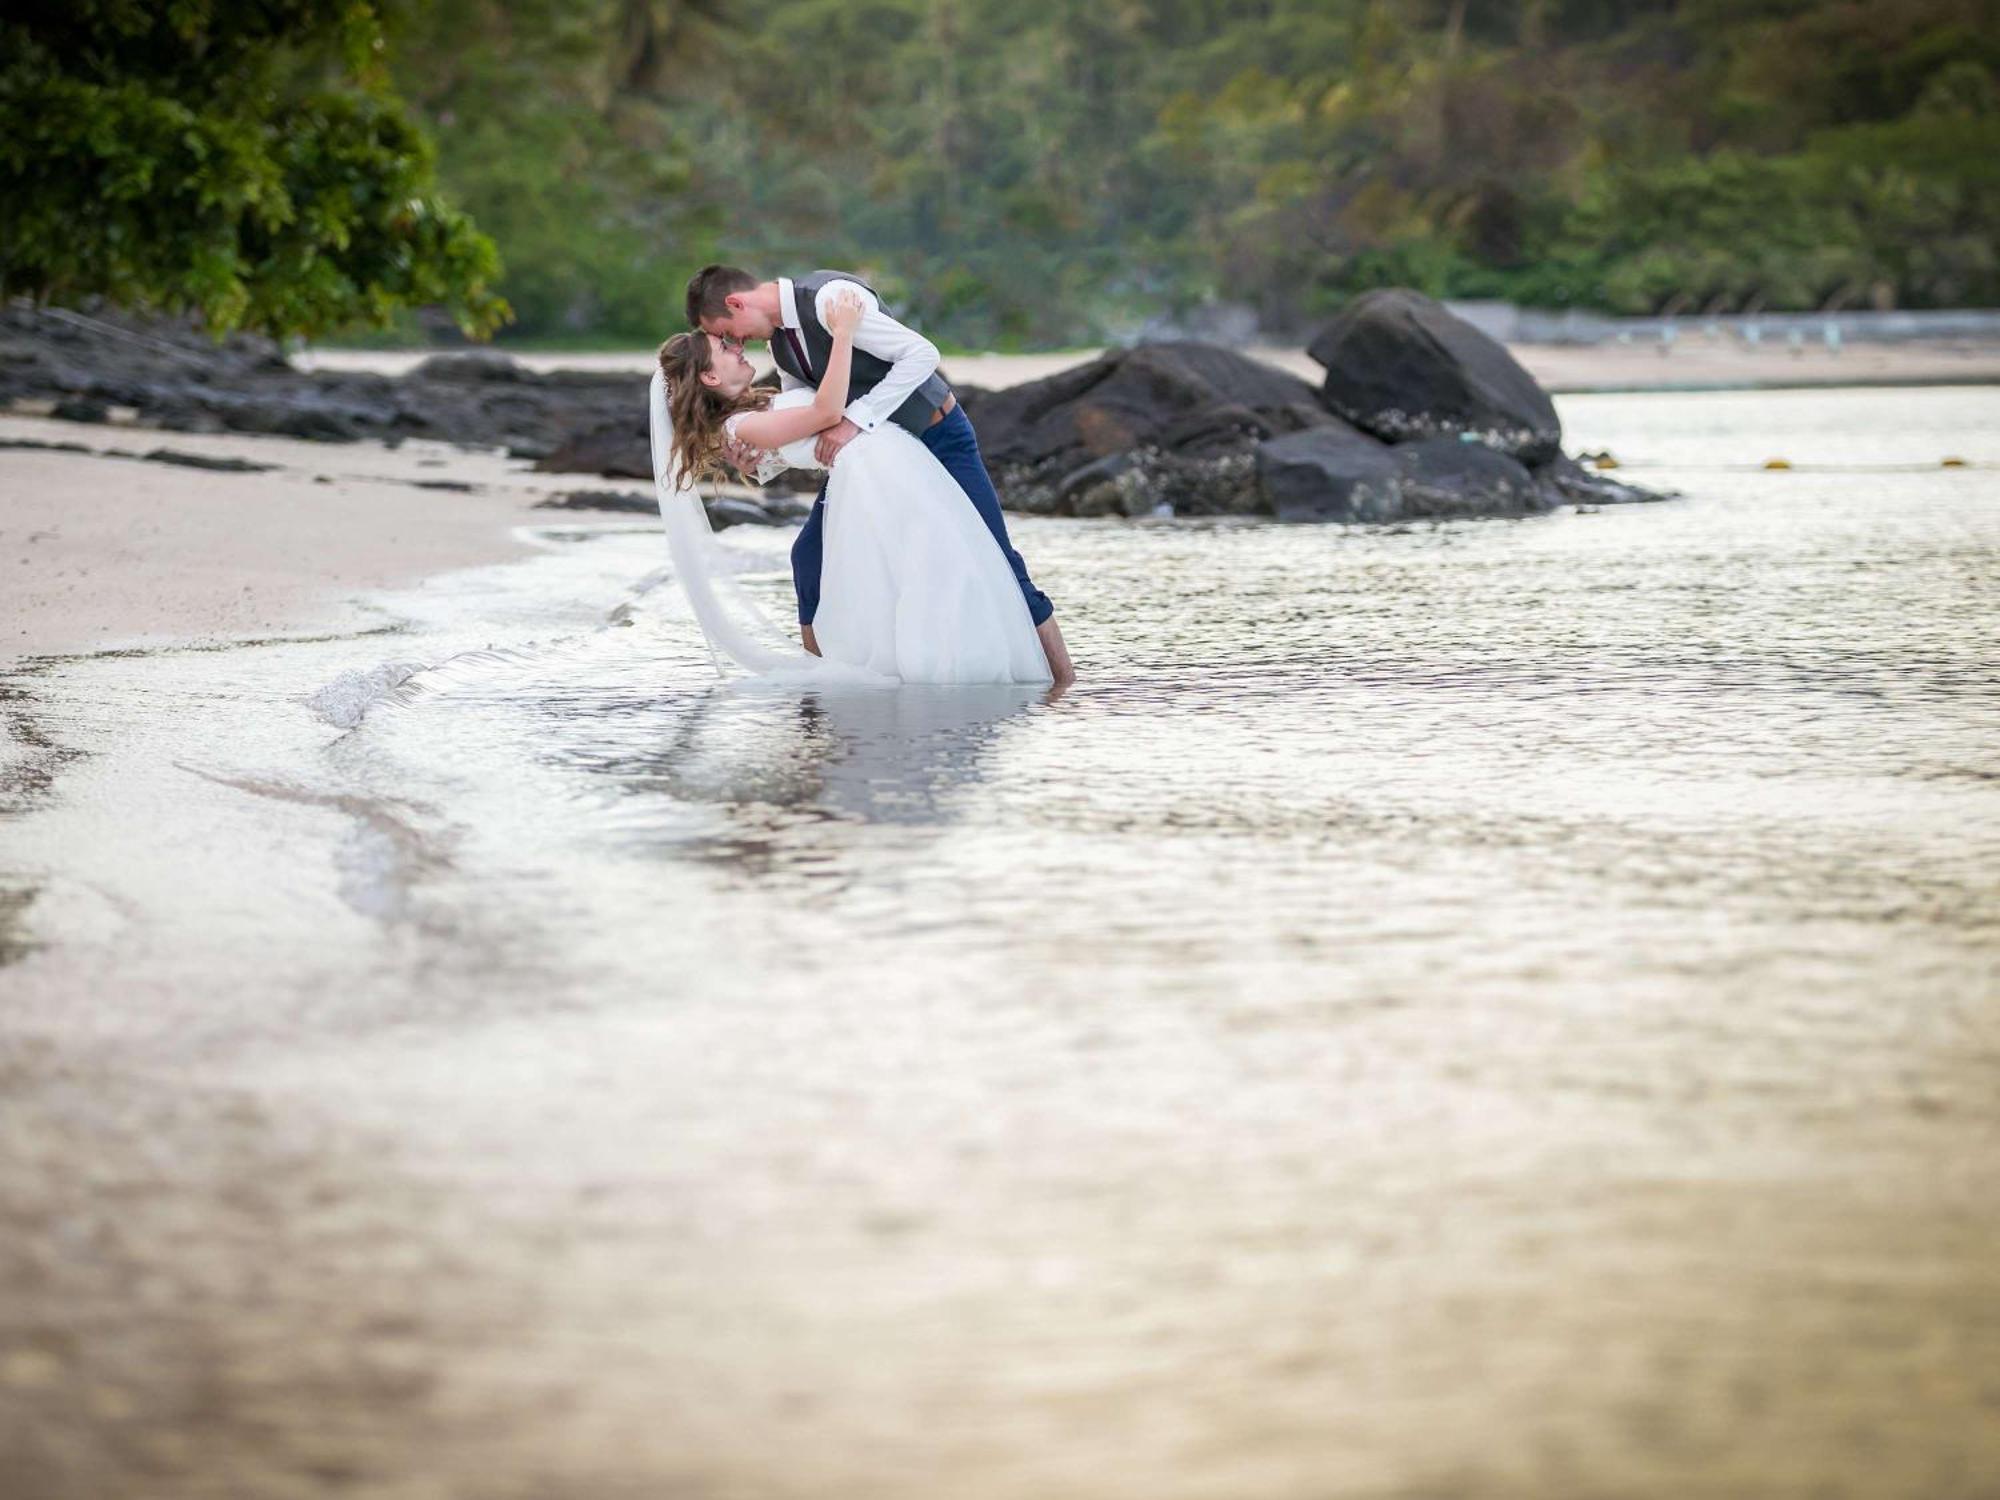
[742, 323]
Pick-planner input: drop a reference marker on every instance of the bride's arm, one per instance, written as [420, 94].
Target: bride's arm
[774, 429]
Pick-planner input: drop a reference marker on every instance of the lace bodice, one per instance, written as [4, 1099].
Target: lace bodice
[797, 455]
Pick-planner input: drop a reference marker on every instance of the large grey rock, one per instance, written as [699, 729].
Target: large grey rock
[1447, 476]
[1178, 396]
[1185, 418]
[1399, 365]
[1152, 483]
[621, 449]
[1331, 473]
[725, 511]
[1343, 474]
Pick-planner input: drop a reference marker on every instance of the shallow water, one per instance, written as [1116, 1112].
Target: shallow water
[1480, 1008]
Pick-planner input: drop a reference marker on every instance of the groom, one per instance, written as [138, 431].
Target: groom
[894, 379]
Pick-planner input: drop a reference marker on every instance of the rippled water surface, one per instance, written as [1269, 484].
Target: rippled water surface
[1499, 1008]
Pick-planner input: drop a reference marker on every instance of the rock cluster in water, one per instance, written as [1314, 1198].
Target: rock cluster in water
[1419, 414]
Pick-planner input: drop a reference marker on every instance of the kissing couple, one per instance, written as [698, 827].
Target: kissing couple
[903, 570]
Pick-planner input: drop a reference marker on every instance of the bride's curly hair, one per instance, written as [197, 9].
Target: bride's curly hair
[699, 410]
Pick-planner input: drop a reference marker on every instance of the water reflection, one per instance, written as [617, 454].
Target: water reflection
[789, 772]
[871, 755]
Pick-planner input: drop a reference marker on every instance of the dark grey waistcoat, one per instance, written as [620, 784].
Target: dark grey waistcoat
[867, 370]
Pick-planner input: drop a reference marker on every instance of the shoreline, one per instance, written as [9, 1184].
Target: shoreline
[106, 550]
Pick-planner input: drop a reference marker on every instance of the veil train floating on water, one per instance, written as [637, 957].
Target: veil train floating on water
[732, 623]
[735, 629]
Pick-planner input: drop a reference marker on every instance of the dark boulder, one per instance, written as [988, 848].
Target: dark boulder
[174, 376]
[311, 415]
[621, 450]
[1173, 396]
[1184, 413]
[725, 511]
[1399, 365]
[1330, 473]
[1151, 482]
[1103, 471]
[1342, 474]
[1448, 476]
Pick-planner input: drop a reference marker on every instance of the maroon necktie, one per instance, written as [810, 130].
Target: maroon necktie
[799, 354]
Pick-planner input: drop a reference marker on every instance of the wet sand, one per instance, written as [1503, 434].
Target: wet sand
[196, 1305]
[99, 550]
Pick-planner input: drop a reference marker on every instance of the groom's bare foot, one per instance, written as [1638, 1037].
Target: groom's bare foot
[811, 640]
[1057, 651]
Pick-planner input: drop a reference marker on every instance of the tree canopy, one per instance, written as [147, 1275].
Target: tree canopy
[1014, 172]
[243, 159]
[1023, 172]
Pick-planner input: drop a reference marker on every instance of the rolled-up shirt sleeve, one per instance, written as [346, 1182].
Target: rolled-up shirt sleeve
[912, 357]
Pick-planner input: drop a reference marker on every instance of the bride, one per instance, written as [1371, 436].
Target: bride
[914, 588]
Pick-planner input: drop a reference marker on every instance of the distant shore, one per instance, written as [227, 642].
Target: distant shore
[1692, 363]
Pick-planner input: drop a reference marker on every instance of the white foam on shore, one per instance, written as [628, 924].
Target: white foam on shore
[559, 597]
[345, 701]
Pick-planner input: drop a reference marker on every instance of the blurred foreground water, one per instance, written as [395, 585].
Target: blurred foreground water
[1495, 1008]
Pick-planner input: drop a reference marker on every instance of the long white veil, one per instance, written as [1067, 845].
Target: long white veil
[733, 624]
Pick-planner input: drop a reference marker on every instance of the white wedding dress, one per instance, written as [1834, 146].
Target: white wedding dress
[912, 584]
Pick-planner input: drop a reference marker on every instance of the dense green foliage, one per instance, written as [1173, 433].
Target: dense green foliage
[1637, 157]
[1024, 172]
[1015, 172]
[243, 159]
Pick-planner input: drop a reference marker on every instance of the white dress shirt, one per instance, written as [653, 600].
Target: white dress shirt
[911, 356]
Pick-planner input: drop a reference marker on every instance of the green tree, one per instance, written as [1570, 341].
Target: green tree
[241, 159]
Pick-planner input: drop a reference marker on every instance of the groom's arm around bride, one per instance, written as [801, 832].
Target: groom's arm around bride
[913, 360]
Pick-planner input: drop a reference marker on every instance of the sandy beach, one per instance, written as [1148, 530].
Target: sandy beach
[103, 550]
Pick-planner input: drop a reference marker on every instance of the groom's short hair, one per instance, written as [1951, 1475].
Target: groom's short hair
[710, 288]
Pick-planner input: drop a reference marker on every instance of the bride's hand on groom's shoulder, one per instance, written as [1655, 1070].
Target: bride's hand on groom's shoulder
[843, 313]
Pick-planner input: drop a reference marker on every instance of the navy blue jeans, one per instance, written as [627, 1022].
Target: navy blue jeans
[956, 446]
